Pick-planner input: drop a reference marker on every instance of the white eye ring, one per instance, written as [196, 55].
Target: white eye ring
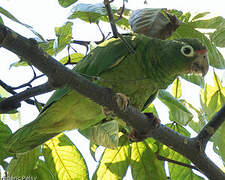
[187, 50]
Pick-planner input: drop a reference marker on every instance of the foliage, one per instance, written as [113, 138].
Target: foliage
[61, 159]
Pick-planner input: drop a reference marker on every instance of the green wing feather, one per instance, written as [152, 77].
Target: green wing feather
[93, 64]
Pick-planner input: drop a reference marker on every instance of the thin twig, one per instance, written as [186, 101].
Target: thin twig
[111, 19]
[121, 11]
[162, 158]
[103, 36]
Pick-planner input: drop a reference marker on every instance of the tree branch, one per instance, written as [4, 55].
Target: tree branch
[159, 157]
[60, 76]
[111, 19]
[13, 102]
[11, 91]
[211, 127]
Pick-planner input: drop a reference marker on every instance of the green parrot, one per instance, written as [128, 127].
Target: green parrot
[136, 66]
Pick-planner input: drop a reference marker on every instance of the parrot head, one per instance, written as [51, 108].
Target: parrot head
[195, 56]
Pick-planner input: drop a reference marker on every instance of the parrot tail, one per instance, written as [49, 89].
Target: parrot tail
[26, 139]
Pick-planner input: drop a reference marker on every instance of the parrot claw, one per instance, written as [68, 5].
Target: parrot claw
[136, 137]
[106, 111]
[122, 101]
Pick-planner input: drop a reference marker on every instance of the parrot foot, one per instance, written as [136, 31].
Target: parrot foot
[136, 137]
[122, 101]
[106, 111]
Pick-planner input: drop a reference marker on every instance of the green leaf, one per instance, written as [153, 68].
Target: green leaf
[64, 159]
[219, 142]
[200, 15]
[10, 16]
[93, 148]
[5, 132]
[177, 111]
[175, 12]
[114, 163]
[1, 20]
[48, 46]
[212, 23]
[42, 171]
[218, 36]
[66, 3]
[15, 116]
[23, 164]
[72, 58]
[88, 12]
[176, 88]
[212, 98]
[215, 57]
[18, 63]
[186, 17]
[105, 134]
[151, 108]
[217, 81]
[144, 163]
[64, 35]
[198, 121]
[194, 78]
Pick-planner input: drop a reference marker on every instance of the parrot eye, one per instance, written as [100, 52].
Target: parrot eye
[187, 50]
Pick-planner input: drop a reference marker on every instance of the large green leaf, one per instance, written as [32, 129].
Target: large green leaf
[64, 159]
[187, 31]
[212, 98]
[144, 163]
[212, 23]
[41, 171]
[199, 16]
[5, 132]
[64, 35]
[10, 16]
[66, 3]
[114, 163]
[177, 111]
[24, 164]
[105, 134]
[88, 12]
[218, 37]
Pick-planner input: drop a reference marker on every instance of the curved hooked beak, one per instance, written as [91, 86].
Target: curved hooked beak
[201, 62]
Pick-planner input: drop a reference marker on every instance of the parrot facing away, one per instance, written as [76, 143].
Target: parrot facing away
[139, 75]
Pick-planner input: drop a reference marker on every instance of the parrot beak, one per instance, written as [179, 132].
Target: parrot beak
[201, 62]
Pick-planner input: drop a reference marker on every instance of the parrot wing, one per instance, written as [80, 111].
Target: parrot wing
[93, 64]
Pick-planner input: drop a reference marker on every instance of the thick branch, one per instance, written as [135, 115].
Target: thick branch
[13, 102]
[61, 76]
